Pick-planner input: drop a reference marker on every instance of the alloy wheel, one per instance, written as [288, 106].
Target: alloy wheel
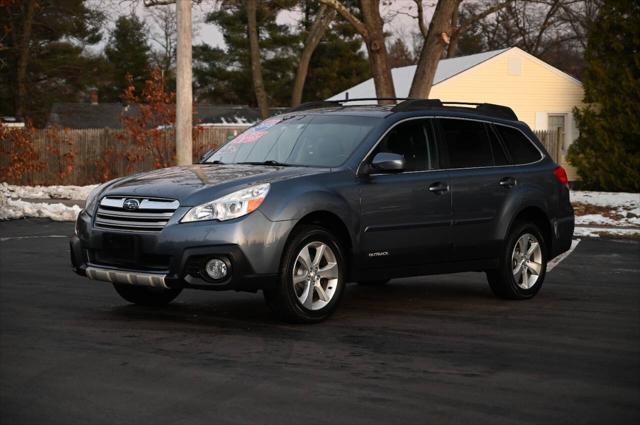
[526, 261]
[315, 275]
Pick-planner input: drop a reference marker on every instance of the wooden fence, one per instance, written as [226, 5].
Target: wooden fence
[95, 149]
[553, 141]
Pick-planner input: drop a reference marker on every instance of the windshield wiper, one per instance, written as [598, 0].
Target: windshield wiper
[267, 162]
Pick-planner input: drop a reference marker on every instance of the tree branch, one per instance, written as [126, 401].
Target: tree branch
[423, 28]
[344, 12]
[468, 23]
[317, 31]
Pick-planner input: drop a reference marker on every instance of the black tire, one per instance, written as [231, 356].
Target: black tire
[502, 280]
[283, 300]
[143, 295]
[380, 282]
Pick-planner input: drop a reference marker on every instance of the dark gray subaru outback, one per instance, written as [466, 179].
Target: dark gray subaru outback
[302, 203]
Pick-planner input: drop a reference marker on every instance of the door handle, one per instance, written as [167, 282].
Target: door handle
[507, 182]
[439, 188]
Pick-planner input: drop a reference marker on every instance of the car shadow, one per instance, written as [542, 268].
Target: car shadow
[467, 291]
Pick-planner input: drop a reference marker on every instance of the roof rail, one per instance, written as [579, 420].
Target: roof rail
[489, 109]
[329, 103]
[417, 104]
[406, 104]
[314, 105]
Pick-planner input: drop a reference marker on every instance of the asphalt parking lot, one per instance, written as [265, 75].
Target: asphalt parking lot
[438, 349]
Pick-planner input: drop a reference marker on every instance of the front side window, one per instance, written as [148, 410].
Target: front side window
[467, 142]
[410, 139]
[307, 140]
[521, 149]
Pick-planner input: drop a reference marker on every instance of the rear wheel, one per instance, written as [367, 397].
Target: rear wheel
[143, 295]
[311, 277]
[523, 264]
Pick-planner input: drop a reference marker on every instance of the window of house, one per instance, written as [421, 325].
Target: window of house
[467, 142]
[410, 140]
[521, 149]
[556, 122]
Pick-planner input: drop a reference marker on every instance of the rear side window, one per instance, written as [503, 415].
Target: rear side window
[499, 155]
[521, 149]
[467, 142]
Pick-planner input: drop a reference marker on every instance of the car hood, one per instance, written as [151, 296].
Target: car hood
[199, 183]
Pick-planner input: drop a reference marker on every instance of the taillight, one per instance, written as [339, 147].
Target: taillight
[561, 175]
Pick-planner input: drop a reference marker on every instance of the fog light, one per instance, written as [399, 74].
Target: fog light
[216, 269]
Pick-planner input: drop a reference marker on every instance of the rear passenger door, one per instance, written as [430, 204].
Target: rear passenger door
[406, 216]
[480, 179]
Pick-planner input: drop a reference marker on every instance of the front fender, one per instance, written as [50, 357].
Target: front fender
[294, 202]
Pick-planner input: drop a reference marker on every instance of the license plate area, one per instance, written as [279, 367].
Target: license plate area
[124, 248]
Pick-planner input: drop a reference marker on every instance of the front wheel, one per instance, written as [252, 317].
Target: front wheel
[143, 295]
[523, 265]
[311, 277]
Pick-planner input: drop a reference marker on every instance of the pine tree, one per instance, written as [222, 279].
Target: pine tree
[42, 55]
[128, 53]
[607, 152]
[399, 54]
[337, 64]
[224, 76]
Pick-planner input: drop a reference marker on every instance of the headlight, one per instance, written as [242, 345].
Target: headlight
[92, 199]
[234, 205]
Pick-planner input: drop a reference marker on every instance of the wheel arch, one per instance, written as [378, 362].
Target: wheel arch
[534, 214]
[334, 224]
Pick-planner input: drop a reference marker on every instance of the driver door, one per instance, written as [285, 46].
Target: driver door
[406, 216]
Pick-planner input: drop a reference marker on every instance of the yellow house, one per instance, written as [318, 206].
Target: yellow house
[539, 94]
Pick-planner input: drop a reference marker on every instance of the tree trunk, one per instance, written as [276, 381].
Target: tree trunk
[317, 31]
[437, 39]
[184, 88]
[23, 59]
[256, 66]
[452, 50]
[377, 50]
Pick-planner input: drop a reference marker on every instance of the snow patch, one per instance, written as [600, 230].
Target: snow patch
[14, 208]
[79, 193]
[606, 199]
[596, 232]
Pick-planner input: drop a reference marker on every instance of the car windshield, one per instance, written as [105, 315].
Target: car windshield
[307, 140]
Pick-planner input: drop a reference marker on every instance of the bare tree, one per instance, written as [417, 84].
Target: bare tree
[165, 37]
[442, 29]
[254, 54]
[436, 39]
[370, 29]
[317, 31]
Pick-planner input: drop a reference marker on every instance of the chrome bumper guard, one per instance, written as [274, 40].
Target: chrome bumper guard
[127, 277]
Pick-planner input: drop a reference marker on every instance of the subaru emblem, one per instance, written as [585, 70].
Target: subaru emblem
[131, 204]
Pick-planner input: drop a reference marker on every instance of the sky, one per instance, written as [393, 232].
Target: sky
[398, 16]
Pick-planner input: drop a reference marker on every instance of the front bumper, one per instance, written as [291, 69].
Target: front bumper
[175, 256]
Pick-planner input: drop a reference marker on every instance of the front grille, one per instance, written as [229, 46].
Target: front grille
[139, 214]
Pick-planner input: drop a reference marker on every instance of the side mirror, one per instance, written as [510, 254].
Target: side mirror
[387, 162]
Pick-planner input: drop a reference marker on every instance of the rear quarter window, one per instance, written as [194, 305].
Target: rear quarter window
[520, 148]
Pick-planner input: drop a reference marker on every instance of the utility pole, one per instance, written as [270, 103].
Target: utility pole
[184, 88]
